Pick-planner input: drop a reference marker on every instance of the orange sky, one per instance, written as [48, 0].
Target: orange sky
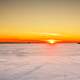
[39, 20]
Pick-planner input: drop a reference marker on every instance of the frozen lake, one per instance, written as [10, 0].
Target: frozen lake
[40, 61]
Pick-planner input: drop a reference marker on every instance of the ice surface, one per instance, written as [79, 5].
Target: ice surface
[40, 61]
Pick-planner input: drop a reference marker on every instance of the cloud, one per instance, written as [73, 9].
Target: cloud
[51, 34]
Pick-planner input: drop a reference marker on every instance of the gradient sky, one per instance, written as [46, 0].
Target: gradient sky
[37, 19]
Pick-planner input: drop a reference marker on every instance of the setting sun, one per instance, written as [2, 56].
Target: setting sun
[51, 41]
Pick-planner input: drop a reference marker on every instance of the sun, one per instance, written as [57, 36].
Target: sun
[51, 41]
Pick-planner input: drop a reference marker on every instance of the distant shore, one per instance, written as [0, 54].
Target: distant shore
[19, 42]
[33, 42]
